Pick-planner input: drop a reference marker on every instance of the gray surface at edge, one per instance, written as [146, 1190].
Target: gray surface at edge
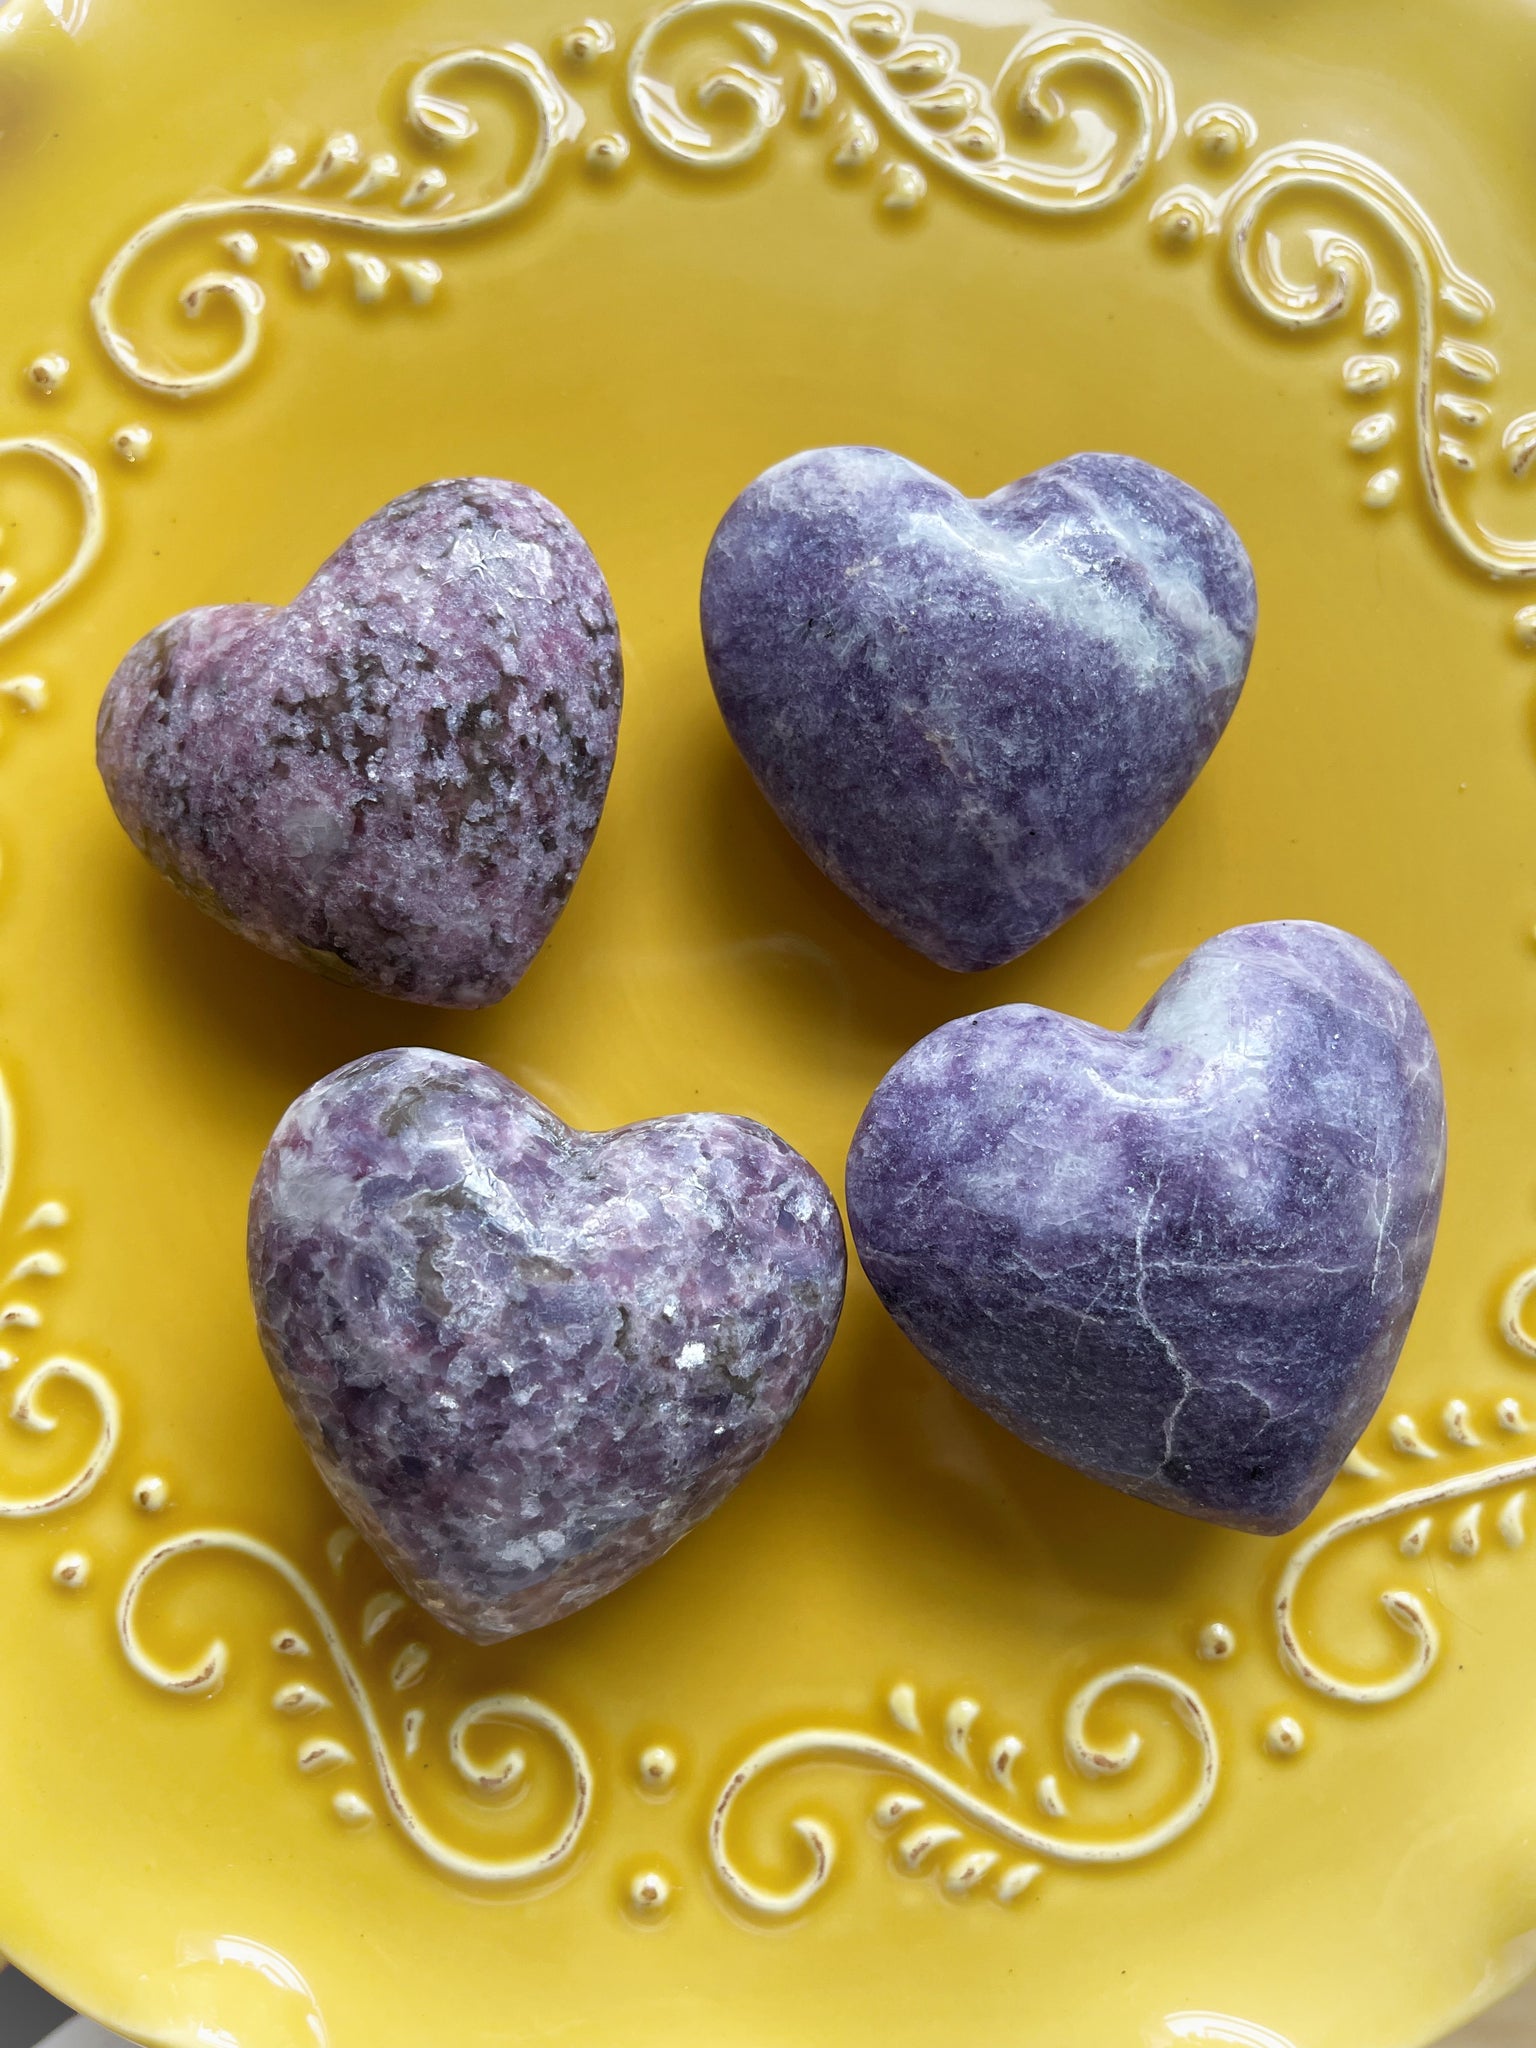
[29, 2016]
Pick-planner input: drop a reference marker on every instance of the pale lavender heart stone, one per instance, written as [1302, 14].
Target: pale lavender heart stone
[973, 713]
[1183, 1257]
[395, 778]
[527, 1359]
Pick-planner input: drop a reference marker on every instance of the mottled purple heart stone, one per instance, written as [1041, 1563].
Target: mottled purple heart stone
[972, 713]
[1183, 1257]
[528, 1359]
[395, 778]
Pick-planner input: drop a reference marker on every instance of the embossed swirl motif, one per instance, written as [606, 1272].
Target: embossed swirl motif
[206, 1674]
[1077, 118]
[85, 488]
[28, 1413]
[916, 87]
[31, 1406]
[917, 90]
[1449, 1507]
[384, 200]
[1347, 203]
[964, 1811]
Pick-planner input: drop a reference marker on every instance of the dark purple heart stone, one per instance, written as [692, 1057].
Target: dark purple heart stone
[972, 713]
[1183, 1257]
[395, 778]
[528, 1359]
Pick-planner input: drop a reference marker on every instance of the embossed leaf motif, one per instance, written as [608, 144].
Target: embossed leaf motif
[964, 1817]
[913, 87]
[1519, 442]
[318, 1754]
[1442, 1516]
[386, 202]
[31, 1399]
[1378, 245]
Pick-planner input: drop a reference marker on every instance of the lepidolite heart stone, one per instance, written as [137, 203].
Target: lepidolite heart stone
[395, 778]
[1183, 1257]
[973, 713]
[528, 1359]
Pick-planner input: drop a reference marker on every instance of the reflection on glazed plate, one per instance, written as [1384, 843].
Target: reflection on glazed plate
[289, 2015]
[917, 1714]
[69, 15]
[1218, 2029]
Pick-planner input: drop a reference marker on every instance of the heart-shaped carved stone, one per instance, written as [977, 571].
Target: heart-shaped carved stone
[395, 778]
[528, 1359]
[1182, 1258]
[973, 713]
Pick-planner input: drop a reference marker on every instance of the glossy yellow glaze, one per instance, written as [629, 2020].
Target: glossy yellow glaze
[638, 343]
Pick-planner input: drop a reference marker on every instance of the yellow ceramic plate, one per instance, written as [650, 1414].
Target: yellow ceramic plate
[922, 1738]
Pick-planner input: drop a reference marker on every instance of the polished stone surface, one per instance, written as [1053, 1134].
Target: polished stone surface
[973, 713]
[528, 1359]
[395, 778]
[1183, 1257]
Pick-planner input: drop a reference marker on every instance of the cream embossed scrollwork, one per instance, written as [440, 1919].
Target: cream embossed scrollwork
[1418, 1506]
[383, 200]
[1360, 242]
[28, 1413]
[31, 1407]
[925, 104]
[90, 528]
[954, 1811]
[206, 1674]
[1448, 1507]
